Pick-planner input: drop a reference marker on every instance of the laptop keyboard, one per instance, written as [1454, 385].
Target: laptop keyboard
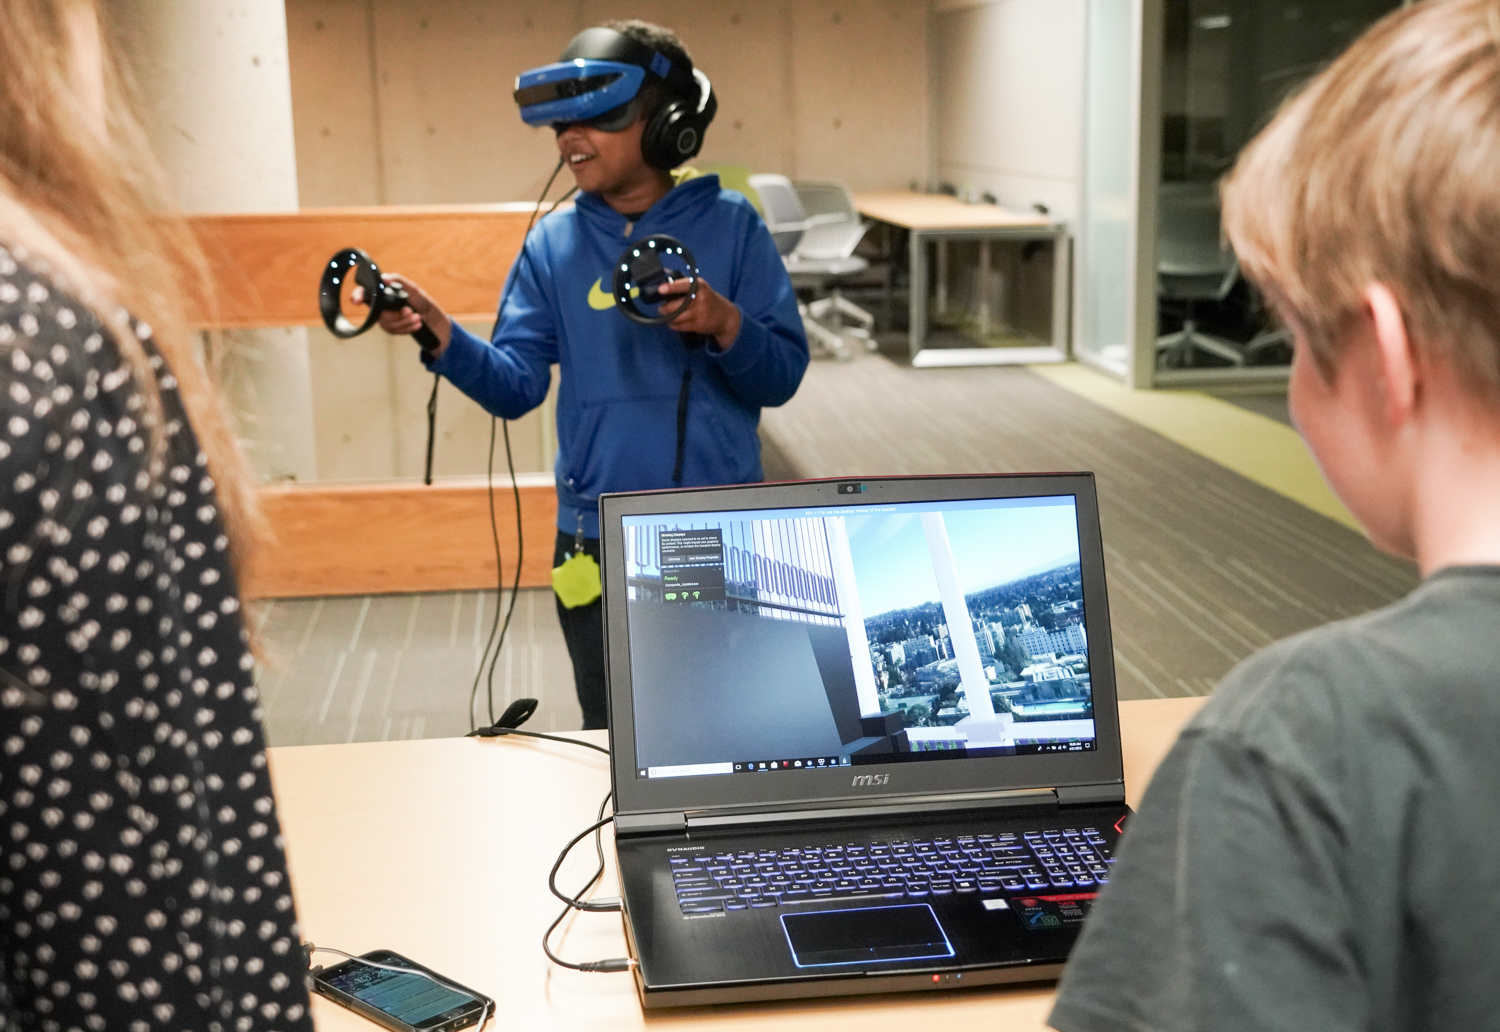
[1069, 858]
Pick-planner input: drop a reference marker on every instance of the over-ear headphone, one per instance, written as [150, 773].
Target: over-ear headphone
[675, 132]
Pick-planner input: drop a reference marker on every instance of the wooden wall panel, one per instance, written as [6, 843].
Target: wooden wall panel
[384, 538]
[267, 267]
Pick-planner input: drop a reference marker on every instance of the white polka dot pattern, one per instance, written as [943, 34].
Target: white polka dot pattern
[143, 885]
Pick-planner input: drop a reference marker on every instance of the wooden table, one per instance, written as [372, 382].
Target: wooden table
[439, 849]
[938, 219]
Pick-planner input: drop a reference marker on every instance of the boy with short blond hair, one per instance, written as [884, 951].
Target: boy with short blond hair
[1318, 851]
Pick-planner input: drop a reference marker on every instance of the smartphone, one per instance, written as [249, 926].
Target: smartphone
[403, 1001]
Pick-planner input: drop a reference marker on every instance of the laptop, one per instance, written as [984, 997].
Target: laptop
[864, 732]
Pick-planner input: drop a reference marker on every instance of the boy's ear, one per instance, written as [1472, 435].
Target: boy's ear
[1400, 379]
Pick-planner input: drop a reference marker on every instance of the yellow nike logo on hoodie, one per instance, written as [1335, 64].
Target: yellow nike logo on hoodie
[600, 299]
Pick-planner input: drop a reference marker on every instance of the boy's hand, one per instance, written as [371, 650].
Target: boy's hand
[419, 309]
[710, 313]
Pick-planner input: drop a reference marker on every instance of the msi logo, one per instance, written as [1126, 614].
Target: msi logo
[863, 780]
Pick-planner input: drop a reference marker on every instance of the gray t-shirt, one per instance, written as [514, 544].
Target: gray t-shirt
[1321, 848]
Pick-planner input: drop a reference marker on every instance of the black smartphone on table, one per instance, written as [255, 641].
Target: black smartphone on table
[416, 1000]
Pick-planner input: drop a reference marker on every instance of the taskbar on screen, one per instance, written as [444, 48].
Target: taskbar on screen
[1022, 747]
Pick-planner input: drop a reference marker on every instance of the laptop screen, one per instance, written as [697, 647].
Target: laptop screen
[767, 642]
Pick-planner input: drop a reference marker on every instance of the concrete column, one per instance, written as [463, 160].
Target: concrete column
[217, 99]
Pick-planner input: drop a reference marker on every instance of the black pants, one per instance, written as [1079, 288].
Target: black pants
[583, 630]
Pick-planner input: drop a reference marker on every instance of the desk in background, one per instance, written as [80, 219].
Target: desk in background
[939, 218]
[439, 849]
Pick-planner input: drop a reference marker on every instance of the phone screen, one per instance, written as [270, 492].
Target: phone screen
[411, 999]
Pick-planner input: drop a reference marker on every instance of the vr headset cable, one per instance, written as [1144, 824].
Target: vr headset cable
[492, 646]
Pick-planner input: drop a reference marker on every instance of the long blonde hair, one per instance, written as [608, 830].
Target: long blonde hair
[81, 191]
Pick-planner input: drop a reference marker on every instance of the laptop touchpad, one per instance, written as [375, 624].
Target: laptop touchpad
[866, 935]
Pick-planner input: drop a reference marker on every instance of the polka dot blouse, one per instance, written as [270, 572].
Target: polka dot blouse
[143, 884]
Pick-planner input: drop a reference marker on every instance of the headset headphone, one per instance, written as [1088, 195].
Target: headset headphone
[597, 79]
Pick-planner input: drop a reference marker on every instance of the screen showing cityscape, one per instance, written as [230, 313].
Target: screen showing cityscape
[783, 640]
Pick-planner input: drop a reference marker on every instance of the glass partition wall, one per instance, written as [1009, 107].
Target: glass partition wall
[1110, 222]
[1226, 65]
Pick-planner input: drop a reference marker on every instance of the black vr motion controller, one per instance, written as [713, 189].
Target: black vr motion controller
[646, 266]
[379, 295]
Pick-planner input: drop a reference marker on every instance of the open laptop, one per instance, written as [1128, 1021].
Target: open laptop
[864, 732]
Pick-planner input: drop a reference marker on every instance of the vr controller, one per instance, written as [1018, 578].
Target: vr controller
[642, 269]
[646, 266]
[381, 296]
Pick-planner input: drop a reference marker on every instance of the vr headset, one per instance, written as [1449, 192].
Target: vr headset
[598, 77]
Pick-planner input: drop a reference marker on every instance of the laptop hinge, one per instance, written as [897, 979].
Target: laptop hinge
[1091, 795]
[650, 823]
[1029, 797]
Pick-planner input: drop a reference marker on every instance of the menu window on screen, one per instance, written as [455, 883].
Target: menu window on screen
[782, 640]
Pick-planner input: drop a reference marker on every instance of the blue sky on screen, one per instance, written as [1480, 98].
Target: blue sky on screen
[992, 545]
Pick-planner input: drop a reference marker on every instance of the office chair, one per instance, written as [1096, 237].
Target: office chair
[788, 223]
[1193, 265]
[825, 256]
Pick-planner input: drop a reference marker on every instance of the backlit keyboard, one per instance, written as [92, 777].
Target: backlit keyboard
[1070, 858]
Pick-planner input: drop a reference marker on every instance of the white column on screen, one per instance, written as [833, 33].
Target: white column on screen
[976, 687]
[854, 617]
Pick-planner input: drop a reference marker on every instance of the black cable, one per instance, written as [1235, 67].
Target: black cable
[515, 587]
[574, 903]
[490, 474]
[497, 732]
[682, 415]
[489, 494]
[437, 378]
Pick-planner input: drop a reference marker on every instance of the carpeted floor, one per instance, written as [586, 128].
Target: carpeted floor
[380, 667]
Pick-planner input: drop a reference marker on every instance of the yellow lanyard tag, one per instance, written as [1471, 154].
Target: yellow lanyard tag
[576, 581]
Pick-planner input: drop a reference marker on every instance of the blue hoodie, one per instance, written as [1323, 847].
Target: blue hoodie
[617, 399]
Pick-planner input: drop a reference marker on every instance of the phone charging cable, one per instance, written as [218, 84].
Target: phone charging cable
[484, 1015]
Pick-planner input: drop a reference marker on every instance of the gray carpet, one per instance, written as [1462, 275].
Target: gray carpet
[382, 667]
[1204, 566]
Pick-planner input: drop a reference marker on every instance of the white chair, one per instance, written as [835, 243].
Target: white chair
[789, 223]
[1194, 265]
[825, 256]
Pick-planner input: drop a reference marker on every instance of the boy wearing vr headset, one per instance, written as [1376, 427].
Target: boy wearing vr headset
[628, 107]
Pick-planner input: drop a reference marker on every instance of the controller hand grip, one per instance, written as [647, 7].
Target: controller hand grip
[381, 296]
[642, 269]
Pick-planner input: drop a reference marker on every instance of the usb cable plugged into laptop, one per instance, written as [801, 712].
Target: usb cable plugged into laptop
[515, 714]
[609, 904]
